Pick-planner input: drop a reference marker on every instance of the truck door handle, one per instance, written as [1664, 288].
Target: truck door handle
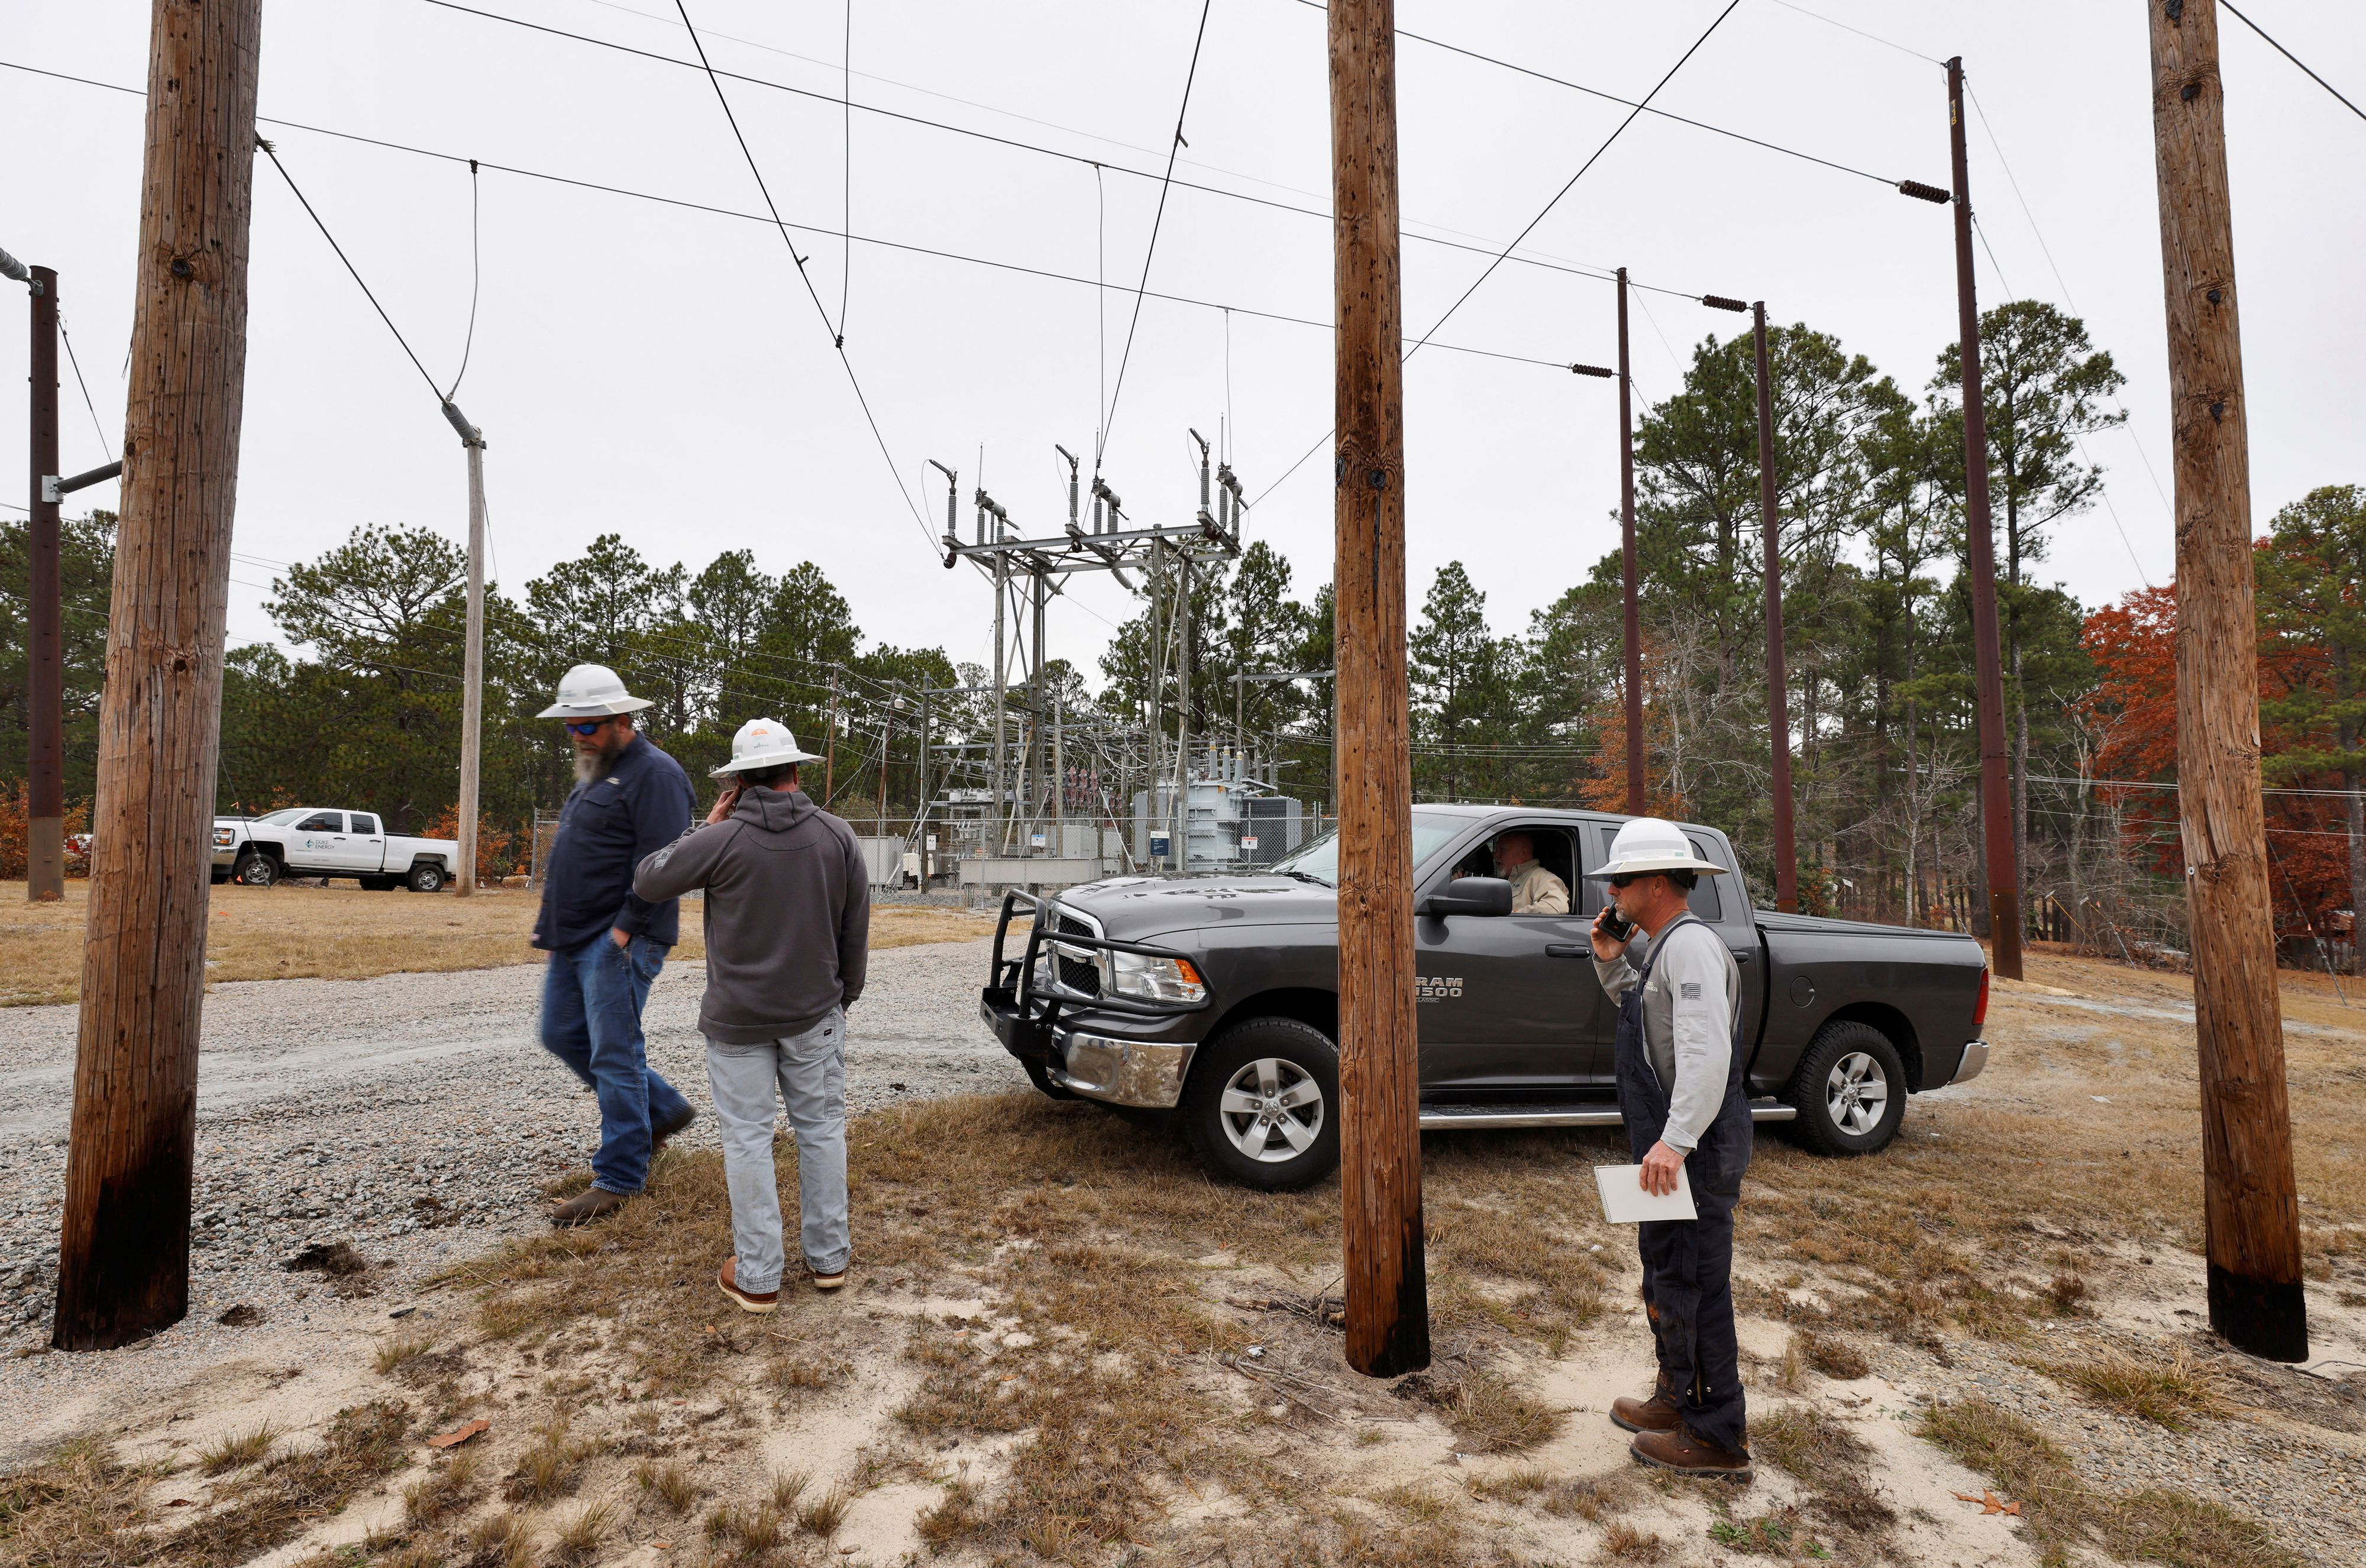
[1563, 949]
[1744, 957]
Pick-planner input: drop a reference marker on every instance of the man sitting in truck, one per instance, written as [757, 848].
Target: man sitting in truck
[1535, 890]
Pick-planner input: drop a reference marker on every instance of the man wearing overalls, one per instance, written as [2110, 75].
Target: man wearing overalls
[1680, 1068]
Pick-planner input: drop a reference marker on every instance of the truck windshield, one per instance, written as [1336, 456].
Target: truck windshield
[1320, 860]
[280, 818]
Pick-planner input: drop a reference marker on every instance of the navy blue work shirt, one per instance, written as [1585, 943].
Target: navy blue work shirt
[604, 830]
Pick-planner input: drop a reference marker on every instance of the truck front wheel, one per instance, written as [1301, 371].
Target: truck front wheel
[1850, 1090]
[256, 869]
[1263, 1104]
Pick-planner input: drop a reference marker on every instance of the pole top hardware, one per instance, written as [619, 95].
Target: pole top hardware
[1922, 192]
[469, 435]
[11, 267]
[1593, 370]
[1719, 302]
[54, 489]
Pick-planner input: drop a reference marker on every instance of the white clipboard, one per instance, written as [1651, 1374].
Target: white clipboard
[1624, 1201]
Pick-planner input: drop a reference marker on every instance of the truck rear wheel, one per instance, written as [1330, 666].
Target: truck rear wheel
[1262, 1107]
[427, 877]
[1850, 1090]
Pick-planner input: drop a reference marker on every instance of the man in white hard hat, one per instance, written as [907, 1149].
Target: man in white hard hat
[788, 938]
[606, 942]
[1680, 1090]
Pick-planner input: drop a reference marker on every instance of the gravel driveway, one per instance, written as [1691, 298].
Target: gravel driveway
[412, 1115]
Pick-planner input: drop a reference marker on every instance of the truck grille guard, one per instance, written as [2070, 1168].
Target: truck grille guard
[1038, 1005]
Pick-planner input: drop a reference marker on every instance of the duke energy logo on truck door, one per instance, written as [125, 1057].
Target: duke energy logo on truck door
[1435, 988]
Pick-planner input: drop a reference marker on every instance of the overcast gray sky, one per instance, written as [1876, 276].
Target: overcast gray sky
[660, 372]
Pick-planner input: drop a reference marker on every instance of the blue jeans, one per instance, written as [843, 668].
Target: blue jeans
[592, 1001]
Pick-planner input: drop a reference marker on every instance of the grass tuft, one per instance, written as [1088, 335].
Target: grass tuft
[579, 1539]
[2171, 1392]
[669, 1484]
[821, 1516]
[248, 1448]
[397, 1354]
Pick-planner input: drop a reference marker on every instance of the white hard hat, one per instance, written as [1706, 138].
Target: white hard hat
[1651, 843]
[591, 691]
[762, 743]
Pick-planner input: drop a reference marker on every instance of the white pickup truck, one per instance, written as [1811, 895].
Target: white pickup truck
[302, 840]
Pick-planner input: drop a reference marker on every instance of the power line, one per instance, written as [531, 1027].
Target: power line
[1108, 414]
[1873, 37]
[475, 282]
[104, 445]
[1640, 108]
[2296, 60]
[1565, 189]
[272, 153]
[803, 228]
[1524, 234]
[1602, 273]
[820, 309]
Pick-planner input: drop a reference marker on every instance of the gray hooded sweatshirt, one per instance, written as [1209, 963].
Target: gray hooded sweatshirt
[788, 914]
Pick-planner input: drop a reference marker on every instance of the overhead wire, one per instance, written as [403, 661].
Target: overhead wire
[476, 283]
[2296, 60]
[934, 253]
[1524, 234]
[272, 153]
[100, 430]
[846, 200]
[1108, 414]
[1598, 273]
[838, 339]
[1518, 68]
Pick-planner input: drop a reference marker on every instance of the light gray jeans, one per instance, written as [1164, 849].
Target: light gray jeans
[810, 1070]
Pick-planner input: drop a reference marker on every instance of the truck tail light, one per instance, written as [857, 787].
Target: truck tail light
[1980, 1008]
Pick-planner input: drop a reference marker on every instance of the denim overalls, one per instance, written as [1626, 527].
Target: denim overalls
[1688, 1264]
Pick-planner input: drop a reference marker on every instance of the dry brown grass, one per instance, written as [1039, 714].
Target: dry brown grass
[340, 933]
[2063, 1512]
[2167, 1389]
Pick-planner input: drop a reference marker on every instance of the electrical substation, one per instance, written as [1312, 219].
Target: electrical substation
[1052, 798]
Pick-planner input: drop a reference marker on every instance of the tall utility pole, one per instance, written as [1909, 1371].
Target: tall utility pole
[1627, 547]
[920, 809]
[472, 661]
[123, 1255]
[1778, 688]
[45, 860]
[1380, 1125]
[1980, 561]
[2251, 1215]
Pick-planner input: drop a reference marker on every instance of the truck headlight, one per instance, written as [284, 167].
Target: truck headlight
[1153, 979]
[222, 836]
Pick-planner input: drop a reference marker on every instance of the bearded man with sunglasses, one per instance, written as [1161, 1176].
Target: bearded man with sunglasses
[606, 944]
[1680, 1090]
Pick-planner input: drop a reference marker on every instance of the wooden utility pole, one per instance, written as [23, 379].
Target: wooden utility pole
[1633, 573]
[123, 1263]
[2251, 1213]
[2000, 856]
[1380, 1125]
[45, 792]
[1778, 688]
[472, 660]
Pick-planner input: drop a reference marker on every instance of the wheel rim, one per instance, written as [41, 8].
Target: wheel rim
[1856, 1094]
[1272, 1110]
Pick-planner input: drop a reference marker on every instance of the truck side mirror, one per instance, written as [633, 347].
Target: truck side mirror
[1469, 896]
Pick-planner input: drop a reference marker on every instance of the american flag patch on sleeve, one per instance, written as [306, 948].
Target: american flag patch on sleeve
[1689, 990]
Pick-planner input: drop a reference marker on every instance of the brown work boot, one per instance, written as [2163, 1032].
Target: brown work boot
[1661, 1413]
[591, 1203]
[749, 1301]
[1687, 1455]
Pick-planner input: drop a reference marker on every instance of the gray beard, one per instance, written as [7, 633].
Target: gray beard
[590, 767]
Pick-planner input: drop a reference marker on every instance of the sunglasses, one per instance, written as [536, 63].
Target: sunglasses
[1624, 881]
[592, 727]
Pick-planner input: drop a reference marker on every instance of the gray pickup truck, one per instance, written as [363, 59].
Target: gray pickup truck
[1219, 996]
